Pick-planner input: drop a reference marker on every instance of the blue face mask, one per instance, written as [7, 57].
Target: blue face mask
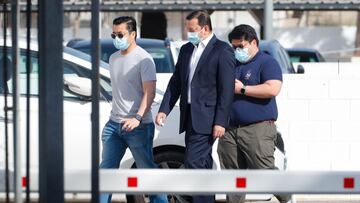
[193, 37]
[121, 44]
[242, 55]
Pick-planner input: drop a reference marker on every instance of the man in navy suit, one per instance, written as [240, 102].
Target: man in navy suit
[204, 80]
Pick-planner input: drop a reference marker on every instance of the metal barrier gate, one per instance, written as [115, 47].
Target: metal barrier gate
[185, 181]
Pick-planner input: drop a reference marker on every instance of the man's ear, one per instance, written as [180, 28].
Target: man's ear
[207, 29]
[133, 34]
[253, 42]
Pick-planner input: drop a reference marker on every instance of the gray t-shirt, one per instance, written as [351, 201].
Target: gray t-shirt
[127, 72]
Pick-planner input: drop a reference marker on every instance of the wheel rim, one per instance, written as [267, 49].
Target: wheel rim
[175, 198]
[171, 165]
[172, 198]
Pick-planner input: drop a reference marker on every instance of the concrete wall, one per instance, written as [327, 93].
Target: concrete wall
[319, 118]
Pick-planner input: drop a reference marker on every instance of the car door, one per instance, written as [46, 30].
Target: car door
[77, 120]
[34, 91]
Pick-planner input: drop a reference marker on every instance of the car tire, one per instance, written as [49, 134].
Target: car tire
[169, 160]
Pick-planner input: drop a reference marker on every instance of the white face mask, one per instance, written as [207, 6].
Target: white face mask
[242, 55]
[121, 44]
[194, 37]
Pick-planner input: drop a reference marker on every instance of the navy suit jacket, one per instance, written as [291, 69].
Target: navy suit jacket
[212, 87]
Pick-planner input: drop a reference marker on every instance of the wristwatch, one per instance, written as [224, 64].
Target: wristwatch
[138, 117]
[242, 90]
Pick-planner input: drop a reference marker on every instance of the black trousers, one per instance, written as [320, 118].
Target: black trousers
[198, 155]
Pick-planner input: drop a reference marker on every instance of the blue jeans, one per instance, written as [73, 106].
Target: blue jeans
[140, 142]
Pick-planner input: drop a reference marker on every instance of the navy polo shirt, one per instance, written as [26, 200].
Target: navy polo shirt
[245, 109]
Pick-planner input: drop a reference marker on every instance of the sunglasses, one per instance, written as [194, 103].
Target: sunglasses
[241, 46]
[119, 35]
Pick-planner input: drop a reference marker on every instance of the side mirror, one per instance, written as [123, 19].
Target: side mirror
[300, 69]
[78, 85]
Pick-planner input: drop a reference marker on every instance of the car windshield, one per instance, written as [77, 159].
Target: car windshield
[162, 59]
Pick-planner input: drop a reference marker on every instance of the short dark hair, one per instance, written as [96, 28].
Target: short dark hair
[130, 23]
[244, 32]
[202, 16]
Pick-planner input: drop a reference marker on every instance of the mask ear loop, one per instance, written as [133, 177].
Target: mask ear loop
[129, 38]
[201, 38]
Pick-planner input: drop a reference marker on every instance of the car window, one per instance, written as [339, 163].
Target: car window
[5, 75]
[104, 55]
[72, 69]
[295, 59]
[34, 68]
[303, 57]
[281, 61]
[69, 69]
[320, 57]
[286, 59]
[106, 52]
[162, 59]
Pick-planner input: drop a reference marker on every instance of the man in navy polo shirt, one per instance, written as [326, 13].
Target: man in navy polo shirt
[250, 141]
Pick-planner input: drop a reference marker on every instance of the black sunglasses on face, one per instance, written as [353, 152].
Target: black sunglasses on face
[119, 35]
[235, 47]
[241, 46]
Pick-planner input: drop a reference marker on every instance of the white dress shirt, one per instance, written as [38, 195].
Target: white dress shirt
[197, 52]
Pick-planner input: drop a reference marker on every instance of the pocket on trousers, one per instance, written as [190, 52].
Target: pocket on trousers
[140, 130]
[107, 132]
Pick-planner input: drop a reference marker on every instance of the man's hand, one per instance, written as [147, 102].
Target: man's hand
[218, 131]
[238, 86]
[160, 119]
[130, 124]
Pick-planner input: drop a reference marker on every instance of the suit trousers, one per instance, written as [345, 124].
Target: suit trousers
[198, 155]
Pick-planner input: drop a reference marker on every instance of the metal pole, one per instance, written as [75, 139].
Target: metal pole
[268, 19]
[100, 21]
[6, 109]
[15, 55]
[95, 55]
[51, 143]
[28, 33]
[137, 24]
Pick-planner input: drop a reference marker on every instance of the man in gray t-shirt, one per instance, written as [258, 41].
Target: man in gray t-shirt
[133, 81]
[128, 73]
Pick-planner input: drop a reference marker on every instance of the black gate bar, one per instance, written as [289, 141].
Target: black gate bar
[51, 142]
[6, 107]
[28, 61]
[95, 55]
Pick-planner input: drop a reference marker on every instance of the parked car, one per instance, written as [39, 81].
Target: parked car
[158, 49]
[276, 50]
[304, 55]
[169, 147]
